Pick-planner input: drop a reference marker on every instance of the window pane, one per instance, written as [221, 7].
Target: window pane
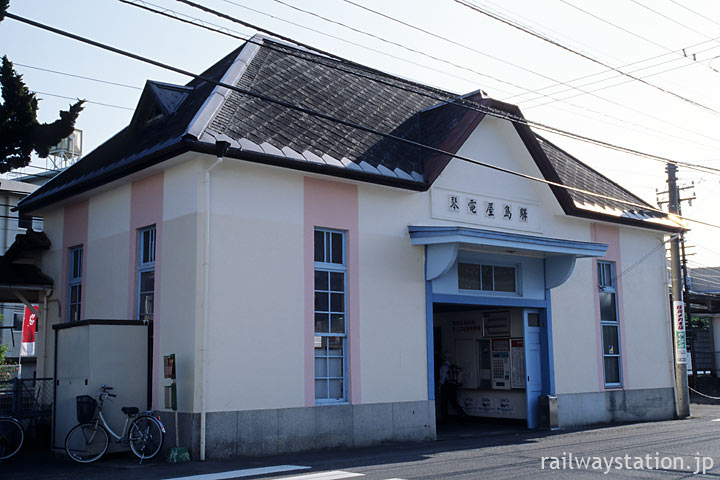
[146, 303]
[335, 346]
[337, 281]
[605, 276]
[320, 367]
[611, 345]
[336, 389]
[504, 279]
[612, 369]
[337, 248]
[335, 367]
[321, 323]
[18, 321]
[487, 277]
[321, 387]
[607, 307]
[321, 302]
[147, 281]
[321, 280]
[74, 313]
[337, 302]
[319, 246]
[468, 276]
[337, 323]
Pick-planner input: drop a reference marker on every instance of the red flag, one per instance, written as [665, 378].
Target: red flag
[28, 333]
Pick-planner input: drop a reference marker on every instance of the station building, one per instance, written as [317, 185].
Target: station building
[312, 276]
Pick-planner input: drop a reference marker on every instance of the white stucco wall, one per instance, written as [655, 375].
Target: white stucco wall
[107, 255]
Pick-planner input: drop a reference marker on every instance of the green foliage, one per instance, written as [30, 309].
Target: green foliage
[4, 4]
[3, 351]
[20, 132]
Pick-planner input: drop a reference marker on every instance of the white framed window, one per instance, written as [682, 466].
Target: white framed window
[488, 278]
[609, 324]
[146, 274]
[75, 267]
[330, 316]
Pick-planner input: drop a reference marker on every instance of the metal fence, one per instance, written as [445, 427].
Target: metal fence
[27, 398]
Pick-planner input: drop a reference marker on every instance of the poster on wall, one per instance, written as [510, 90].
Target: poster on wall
[517, 358]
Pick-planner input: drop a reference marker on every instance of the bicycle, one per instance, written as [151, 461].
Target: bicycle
[88, 441]
[11, 437]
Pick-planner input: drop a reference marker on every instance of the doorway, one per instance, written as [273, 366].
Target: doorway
[488, 365]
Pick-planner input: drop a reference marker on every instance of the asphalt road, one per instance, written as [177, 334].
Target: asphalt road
[670, 449]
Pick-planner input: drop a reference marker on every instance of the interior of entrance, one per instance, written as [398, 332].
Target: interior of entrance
[480, 364]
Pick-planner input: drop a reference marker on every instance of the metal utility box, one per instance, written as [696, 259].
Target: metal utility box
[91, 353]
[548, 405]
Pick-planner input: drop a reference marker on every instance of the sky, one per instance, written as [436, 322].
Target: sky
[639, 74]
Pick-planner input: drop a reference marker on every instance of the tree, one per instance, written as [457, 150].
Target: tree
[20, 132]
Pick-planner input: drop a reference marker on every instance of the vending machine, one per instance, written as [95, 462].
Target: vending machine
[501, 363]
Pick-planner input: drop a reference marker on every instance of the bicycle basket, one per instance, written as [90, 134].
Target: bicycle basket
[86, 406]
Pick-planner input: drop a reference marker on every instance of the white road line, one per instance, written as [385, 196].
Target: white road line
[715, 420]
[332, 475]
[248, 472]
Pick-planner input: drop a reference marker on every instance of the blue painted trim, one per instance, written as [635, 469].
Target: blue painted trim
[550, 362]
[430, 340]
[489, 301]
[420, 235]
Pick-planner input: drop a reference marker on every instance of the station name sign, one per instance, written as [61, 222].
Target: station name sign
[483, 210]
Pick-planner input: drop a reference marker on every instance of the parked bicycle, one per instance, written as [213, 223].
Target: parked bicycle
[11, 437]
[89, 440]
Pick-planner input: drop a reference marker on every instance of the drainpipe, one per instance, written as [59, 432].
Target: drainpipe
[221, 149]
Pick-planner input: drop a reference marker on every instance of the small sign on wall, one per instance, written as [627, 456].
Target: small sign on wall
[466, 207]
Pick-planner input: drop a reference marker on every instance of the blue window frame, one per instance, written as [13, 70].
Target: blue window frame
[609, 324]
[146, 274]
[330, 316]
[75, 268]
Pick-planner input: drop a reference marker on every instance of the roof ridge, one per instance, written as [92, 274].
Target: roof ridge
[215, 100]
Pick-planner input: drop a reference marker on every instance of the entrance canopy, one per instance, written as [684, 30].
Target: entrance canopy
[443, 243]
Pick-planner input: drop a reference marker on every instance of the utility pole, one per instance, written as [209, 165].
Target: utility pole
[681, 379]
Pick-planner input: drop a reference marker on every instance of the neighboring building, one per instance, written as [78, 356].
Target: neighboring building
[11, 224]
[309, 280]
[704, 301]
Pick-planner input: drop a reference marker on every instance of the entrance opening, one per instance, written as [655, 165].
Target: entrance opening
[484, 367]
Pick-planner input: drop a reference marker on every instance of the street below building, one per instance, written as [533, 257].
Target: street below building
[669, 449]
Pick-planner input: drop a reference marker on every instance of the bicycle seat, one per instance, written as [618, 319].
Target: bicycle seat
[130, 410]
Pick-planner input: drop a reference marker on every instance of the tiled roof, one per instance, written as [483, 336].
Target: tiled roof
[171, 119]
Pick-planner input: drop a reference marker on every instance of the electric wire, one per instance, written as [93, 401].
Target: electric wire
[107, 82]
[332, 119]
[467, 103]
[670, 19]
[215, 28]
[630, 32]
[696, 13]
[581, 54]
[86, 101]
[564, 100]
[552, 99]
[656, 57]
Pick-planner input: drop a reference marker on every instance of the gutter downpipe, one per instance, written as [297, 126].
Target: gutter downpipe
[221, 149]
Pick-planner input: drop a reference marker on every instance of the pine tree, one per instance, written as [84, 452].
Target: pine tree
[20, 132]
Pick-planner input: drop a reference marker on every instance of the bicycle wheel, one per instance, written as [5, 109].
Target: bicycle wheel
[11, 437]
[86, 442]
[146, 437]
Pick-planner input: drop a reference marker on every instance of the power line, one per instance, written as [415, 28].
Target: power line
[332, 119]
[329, 118]
[583, 55]
[453, 42]
[630, 32]
[623, 66]
[86, 101]
[696, 13]
[107, 82]
[467, 103]
[670, 19]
